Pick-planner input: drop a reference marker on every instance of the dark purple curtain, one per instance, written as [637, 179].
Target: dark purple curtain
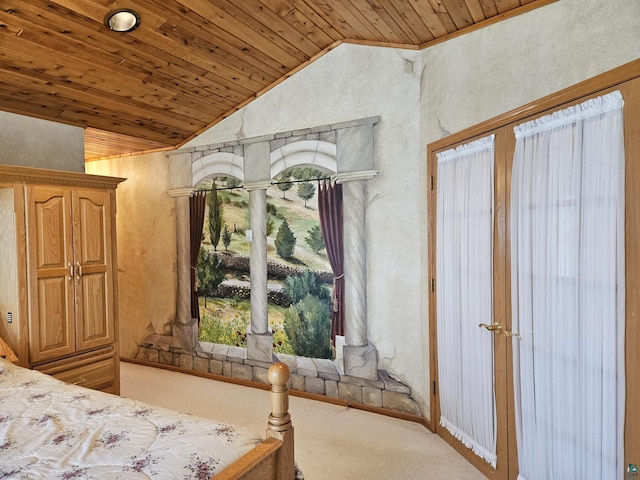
[196, 216]
[330, 210]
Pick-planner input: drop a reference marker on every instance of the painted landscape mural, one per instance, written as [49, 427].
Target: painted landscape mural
[299, 274]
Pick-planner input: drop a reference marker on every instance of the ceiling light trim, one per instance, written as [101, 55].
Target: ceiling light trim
[122, 20]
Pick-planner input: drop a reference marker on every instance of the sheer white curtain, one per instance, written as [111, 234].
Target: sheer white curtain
[567, 237]
[464, 263]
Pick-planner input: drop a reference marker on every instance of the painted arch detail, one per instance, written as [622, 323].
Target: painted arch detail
[305, 152]
[223, 164]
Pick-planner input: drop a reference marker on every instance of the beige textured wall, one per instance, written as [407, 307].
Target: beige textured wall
[146, 231]
[33, 142]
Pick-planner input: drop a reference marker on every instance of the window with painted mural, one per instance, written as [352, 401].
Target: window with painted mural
[299, 274]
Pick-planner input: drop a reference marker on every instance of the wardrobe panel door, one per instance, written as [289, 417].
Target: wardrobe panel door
[51, 285]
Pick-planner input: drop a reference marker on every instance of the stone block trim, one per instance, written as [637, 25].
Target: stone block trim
[315, 376]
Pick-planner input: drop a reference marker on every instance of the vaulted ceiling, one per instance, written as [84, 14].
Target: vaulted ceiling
[191, 63]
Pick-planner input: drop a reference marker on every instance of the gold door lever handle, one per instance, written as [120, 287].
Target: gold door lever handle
[511, 334]
[495, 327]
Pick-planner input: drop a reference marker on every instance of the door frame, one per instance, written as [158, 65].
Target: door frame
[627, 79]
[501, 308]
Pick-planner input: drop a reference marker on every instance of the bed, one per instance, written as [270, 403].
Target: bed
[51, 430]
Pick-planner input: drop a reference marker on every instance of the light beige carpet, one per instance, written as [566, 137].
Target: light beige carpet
[332, 442]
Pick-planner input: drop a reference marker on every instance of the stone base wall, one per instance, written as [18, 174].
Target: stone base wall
[316, 376]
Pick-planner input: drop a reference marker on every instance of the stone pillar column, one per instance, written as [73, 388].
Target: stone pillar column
[258, 258]
[185, 329]
[355, 263]
[354, 145]
[259, 338]
[360, 358]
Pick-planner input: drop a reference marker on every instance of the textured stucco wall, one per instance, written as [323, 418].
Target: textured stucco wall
[493, 70]
[146, 231]
[33, 142]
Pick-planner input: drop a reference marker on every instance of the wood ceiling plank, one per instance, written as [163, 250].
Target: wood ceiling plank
[80, 112]
[99, 144]
[371, 11]
[414, 21]
[108, 81]
[506, 5]
[220, 16]
[171, 114]
[476, 10]
[429, 17]
[316, 21]
[444, 16]
[201, 50]
[236, 51]
[343, 20]
[43, 61]
[22, 107]
[392, 17]
[273, 26]
[289, 13]
[152, 21]
[63, 42]
[459, 13]
[489, 8]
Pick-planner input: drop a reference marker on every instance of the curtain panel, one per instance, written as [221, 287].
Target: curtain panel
[464, 268]
[196, 222]
[330, 211]
[567, 247]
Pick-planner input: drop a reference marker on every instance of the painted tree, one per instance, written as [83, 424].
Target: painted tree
[285, 241]
[215, 215]
[210, 273]
[314, 238]
[308, 173]
[226, 237]
[308, 327]
[307, 322]
[232, 182]
[270, 226]
[284, 184]
[306, 191]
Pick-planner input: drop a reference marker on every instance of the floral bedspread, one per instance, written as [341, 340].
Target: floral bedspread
[51, 430]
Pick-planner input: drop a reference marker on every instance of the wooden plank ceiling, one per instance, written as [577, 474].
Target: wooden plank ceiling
[192, 63]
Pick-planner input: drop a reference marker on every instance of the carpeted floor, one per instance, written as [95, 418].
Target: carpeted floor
[332, 442]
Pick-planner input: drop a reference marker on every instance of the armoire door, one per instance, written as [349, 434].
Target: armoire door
[51, 273]
[70, 252]
[93, 268]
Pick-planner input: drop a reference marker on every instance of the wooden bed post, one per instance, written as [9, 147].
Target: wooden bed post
[279, 425]
[273, 459]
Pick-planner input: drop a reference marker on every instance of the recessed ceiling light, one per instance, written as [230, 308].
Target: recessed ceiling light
[122, 20]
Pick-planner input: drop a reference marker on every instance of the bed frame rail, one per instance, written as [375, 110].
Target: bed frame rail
[273, 459]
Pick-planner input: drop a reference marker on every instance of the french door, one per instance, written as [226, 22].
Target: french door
[459, 334]
[471, 398]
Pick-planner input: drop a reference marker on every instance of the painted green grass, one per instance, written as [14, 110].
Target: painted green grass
[225, 321]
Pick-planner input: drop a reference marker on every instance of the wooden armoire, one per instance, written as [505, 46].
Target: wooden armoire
[58, 287]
